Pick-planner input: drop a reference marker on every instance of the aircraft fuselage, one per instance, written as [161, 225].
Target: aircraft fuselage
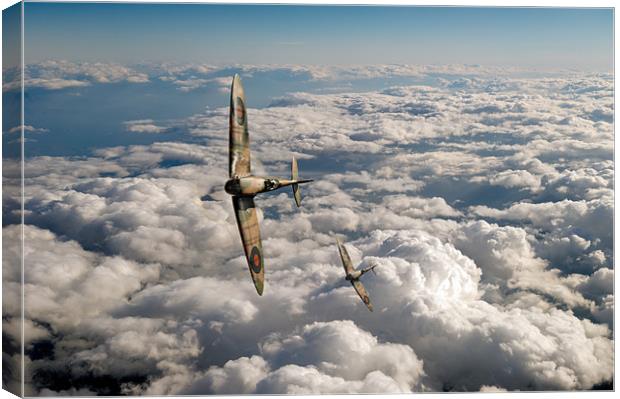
[354, 275]
[252, 185]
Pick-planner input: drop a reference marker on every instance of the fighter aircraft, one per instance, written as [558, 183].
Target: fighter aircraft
[243, 186]
[353, 275]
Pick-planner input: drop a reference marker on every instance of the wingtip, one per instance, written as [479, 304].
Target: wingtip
[236, 80]
[259, 289]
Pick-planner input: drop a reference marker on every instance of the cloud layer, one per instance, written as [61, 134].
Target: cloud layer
[486, 201]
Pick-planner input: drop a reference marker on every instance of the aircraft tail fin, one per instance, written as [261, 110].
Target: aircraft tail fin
[370, 269]
[295, 178]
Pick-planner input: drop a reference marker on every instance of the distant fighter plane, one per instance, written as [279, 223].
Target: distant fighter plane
[243, 186]
[353, 275]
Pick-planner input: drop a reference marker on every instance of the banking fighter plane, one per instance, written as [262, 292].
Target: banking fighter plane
[352, 275]
[243, 186]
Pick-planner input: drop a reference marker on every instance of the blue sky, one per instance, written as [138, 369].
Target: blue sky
[223, 34]
[11, 33]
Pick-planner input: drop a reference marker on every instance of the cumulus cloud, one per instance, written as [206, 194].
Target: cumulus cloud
[45, 83]
[587, 222]
[599, 284]
[341, 349]
[27, 128]
[76, 303]
[486, 203]
[506, 258]
[432, 289]
[418, 207]
[238, 376]
[324, 357]
[515, 178]
[60, 74]
[193, 83]
[143, 126]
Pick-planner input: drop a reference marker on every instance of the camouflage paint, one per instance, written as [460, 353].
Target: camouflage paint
[247, 221]
[361, 291]
[294, 177]
[353, 275]
[239, 140]
[239, 111]
[346, 259]
[243, 186]
[252, 185]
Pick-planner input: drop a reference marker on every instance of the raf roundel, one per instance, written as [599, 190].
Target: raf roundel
[240, 111]
[256, 260]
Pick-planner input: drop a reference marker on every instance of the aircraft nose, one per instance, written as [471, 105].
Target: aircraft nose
[230, 186]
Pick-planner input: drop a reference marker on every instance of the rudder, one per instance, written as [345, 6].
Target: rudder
[295, 177]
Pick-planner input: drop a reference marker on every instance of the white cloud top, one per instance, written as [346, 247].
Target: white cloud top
[485, 201]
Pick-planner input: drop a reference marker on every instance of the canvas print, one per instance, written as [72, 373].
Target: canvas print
[239, 199]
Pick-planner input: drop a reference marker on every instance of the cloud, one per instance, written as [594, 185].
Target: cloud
[431, 291]
[485, 201]
[59, 74]
[45, 83]
[90, 286]
[491, 388]
[97, 71]
[516, 178]
[604, 313]
[507, 258]
[341, 349]
[193, 83]
[418, 207]
[349, 360]
[589, 218]
[238, 376]
[599, 284]
[143, 126]
[361, 72]
[418, 273]
[27, 128]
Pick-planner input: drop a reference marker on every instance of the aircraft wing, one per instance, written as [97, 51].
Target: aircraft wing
[361, 291]
[239, 140]
[346, 259]
[247, 220]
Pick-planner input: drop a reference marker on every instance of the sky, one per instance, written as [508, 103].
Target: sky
[484, 193]
[11, 29]
[222, 34]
